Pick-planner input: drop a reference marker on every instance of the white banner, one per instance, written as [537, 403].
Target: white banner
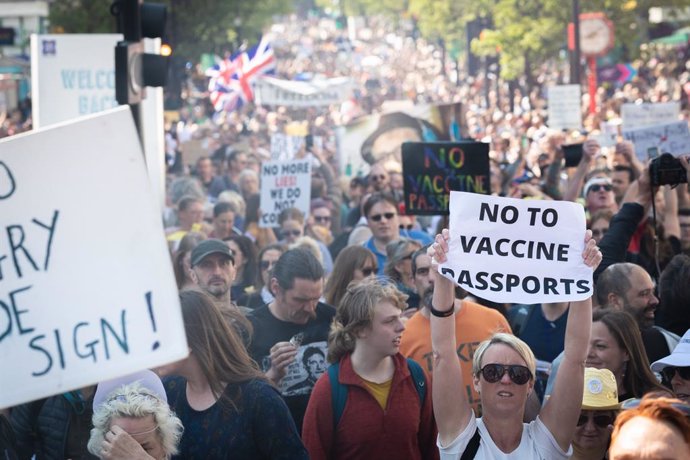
[72, 75]
[564, 107]
[518, 251]
[673, 138]
[87, 291]
[284, 184]
[273, 91]
[648, 114]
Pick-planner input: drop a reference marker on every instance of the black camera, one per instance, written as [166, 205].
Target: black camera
[667, 170]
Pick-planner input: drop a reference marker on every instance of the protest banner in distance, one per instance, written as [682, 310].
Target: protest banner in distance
[432, 169]
[284, 184]
[649, 114]
[673, 138]
[316, 93]
[285, 147]
[87, 291]
[518, 251]
[564, 107]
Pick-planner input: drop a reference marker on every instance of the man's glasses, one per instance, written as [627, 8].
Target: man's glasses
[378, 217]
[324, 219]
[669, 372]
[266, 264]
[602, 421]
[406, 227]
[492, 373]
[598, 187]
[368, 271]
[287, 233]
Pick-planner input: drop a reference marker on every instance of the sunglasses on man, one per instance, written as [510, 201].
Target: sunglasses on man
[378, 217]
[599, 187]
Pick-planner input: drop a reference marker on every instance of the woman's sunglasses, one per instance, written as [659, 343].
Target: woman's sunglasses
[602, 421]
[519, 375]
[369, 271]
[669, 372]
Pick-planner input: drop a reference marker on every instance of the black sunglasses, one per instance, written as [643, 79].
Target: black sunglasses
[322, 218]
[266, 264]
[669, 371]
[598, 187]
[406, 227]
[286, 233]
[378, 217]
[492, 373]
[369, 271]
[602, 421]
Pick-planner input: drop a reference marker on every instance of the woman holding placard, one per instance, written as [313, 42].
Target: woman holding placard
[504, 369]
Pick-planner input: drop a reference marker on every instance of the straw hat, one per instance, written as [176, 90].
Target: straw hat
[601, 390]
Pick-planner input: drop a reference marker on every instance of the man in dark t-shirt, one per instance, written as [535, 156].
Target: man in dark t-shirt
[292, 323]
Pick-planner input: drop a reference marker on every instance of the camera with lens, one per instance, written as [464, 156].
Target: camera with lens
[667, 170]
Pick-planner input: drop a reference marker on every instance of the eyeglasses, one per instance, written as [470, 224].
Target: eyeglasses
[378, 217]
[287, 233]
[669, 372]
[406, 227]
[266, 264]
[602, 421]
[520, 375]
[369, 271]
[598, 187]
[322, 218]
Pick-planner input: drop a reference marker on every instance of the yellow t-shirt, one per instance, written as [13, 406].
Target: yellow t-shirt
[379, 391]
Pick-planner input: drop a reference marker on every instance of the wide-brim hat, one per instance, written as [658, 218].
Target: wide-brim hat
[601, 390]
[679, 357]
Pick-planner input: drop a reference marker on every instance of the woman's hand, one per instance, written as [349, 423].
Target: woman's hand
[120, 445]
[591, 255]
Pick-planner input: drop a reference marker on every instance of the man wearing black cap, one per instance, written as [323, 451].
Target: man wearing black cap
[213, 269]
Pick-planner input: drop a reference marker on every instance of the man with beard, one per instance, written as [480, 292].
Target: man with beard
[628, 287]
[295, 321]
[213, 270]
[474, 323]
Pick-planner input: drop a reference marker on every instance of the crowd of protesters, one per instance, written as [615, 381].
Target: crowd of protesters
[333, 336]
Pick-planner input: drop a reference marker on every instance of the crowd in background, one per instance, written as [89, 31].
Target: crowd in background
[352, 283]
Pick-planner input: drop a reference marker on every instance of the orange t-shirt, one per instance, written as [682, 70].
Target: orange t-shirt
[473, 324]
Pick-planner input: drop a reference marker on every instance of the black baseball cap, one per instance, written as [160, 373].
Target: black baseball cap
[208, 247]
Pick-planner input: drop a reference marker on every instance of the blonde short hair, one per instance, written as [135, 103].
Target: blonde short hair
[509, 340]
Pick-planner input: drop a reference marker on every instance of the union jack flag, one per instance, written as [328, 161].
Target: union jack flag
[231, 79]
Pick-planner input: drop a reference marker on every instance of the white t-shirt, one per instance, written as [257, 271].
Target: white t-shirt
[537, 443]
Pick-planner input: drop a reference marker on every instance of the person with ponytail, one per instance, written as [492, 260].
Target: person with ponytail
[385, 414]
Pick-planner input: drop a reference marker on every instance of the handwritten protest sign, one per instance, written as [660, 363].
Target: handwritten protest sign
[673, 138]
[87, 291]
[432, 169]
[519, 251]
[284, 184]
[564, 107]
[274, 91]
[648, 114]
[285, 147]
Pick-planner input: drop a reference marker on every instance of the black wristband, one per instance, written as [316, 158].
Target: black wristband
[442, 314]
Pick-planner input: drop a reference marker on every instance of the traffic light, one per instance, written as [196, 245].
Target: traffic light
[135, 69]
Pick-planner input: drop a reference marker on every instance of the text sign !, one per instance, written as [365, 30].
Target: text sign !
[517, 251]
[284, 184]
[87, 291]
[432, 169]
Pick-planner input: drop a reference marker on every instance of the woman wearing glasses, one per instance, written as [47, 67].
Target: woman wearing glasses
[504, 369]
[675, 368]
[599, 408]
[354, 263]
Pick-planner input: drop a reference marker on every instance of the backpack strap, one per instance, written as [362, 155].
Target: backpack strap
[472, 446]
[418, 378]
[338, 393]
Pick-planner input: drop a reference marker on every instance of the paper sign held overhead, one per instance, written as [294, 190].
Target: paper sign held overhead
[564, 107]
[673, 138]
[85, 295]
[432, 169]
[284, 184]
[518, 251]
[647, 114]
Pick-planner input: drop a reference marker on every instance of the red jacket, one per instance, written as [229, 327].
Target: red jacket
[402, 431]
